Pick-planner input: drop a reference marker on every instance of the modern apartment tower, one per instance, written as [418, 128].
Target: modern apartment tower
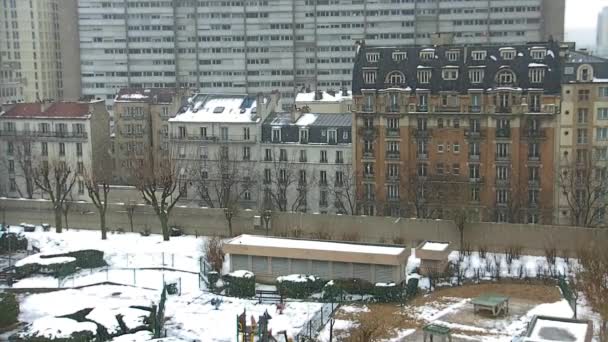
[602, 33]
[39, 55]
[246, 46]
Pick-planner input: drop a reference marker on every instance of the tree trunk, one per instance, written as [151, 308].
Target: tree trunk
[65, 215]
[230, 227]
[604, 330]
[164, 223]
[102, 224]
[58, 225]
[461, 237]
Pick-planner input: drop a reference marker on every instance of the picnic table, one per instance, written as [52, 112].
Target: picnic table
[494, 303]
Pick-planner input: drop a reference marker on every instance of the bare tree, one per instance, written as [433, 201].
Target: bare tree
[224, 181]
[98, 188]
[23, 158]
[282, 177]
[593, 281]
[343, 187]
[130, 209]
[584, 186]
[161, 188]
[56, 179]
[67, 205]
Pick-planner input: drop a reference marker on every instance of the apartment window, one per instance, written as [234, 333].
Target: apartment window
[399, 56]
[331, 136]
[11, 166]
[181, 131]
[474, 171]
[12, 185]
[502, 196]
[422, 170]
[393, 147]
[80, 187]
[9, 126]
[368, 190]
[476, 75]
[507, 53]
[368, 169]
[373, 57]
[80, 167]
[502, 173]
[456, 147]
[452, 55]
[323, 177]
[583, 95]
[339, 157]
[369, 77]
[474, 148]
[427, 55]
[79, 149]
[267, 176]
[368, 106]
[602, 133]
[474, 125]
[439, 168]
[533, 218]
[302, 179]
[533, 150]
[10, 148]
[282, 154]
[478, 55]
[602, 113]
[440, 148]
[323, 156]
[165, 112]
[393, 191]
[276, 134]
[303, 158]
[536, 75]
[44, 127]
[267, 154]
[339, 178]
[456, 123]
[368, 146]
[502, 150]
[421, 148]
[582, 115]
[602, 153]
[62, 149]
[449, 74]
[505, 77]
[246, 153]
[224, 133]
[533, 173]
[581, 156]
[44, 149]
[581, 136]
[246, 135]
[303, 136]
[602, 92]
[393, 170]
[440, 123]
[475, 194]
[392, 123]
[456, 169]
[424, 76]
[538, 53]
[533, 196]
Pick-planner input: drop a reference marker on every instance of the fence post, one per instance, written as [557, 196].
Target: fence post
[163, 254]
[173, 260]
[134, 277]
[107, 276]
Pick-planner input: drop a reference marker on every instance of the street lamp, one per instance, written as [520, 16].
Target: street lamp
[266, 216]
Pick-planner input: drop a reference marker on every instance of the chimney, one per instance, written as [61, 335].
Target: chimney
[344, 92]
[318, 95]
[307, 89]
[331, 92]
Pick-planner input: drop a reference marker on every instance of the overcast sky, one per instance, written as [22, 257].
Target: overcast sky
[583, 13]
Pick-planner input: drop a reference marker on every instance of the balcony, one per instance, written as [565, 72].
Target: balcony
[502, 183]
[44, 135]
[368, 132]
[393, 155]
[474, 157]
[393, 199]
[476, 180]
[534, 158]
[302, 159]
[535, 134]
[472, 134]
[368, 176]
[422, 108]
[422, 133]
[503, 133]
[214, 138]
[474, 109]
[368, 154]
[503, 157]
[534, 183]
[392, 178]
[332, 141]
[367, 109]
[422, 156]
[339, 161]
[449, 109]
[392, 132]
[303, 140]
[533, 109]
[394, 108]
[503, 109]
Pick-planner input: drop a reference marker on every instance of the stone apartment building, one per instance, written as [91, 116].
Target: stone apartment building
[330, 101]
[582, 140]
[306, 163]
[141, 128]
[441, 130]
[215, 142]
[76, 133]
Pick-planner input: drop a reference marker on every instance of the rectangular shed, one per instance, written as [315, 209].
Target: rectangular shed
[271, 257]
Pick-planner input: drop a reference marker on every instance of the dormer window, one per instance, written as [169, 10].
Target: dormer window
[395, 77]
[399, 56]
[479, 55]
[373, 57]
[424, 76]
[304, 135]
[536, 74]
[369, 76]
[507, 53]
[276, 134]
[585, 73]
[452, 55]
[450, 73]
[538, 53]
[476, 75]
[427, 54]
[505, 78]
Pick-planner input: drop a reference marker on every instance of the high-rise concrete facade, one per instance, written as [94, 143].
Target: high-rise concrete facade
[252, 46]
[39, 50]
[602, 33]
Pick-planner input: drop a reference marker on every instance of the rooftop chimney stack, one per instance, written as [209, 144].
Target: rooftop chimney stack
[318, 95]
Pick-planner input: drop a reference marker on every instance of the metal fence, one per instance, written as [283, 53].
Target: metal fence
[203, 272]
[567, 292]
[314, 325]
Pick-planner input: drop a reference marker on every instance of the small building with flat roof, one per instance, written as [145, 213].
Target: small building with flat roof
[546, 328]
[271, 257]
[433, 256]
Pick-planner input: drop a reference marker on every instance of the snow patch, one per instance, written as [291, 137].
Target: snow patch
[36, 259]
[435, 246]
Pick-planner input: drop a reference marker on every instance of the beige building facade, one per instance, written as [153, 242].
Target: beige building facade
[325, 102]
[39, 52]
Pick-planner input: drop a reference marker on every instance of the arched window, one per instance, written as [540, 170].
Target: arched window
[585, 73]
[395, 77]
[505, 78]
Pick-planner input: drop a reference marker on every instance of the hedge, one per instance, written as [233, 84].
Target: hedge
[335, 290]
[240, 284]
[16, 241]
[298, 286]
[88, 258]
[9, 309]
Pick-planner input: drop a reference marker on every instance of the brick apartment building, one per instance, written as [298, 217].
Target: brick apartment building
[453, 129]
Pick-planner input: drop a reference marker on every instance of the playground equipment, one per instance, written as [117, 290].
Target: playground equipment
[257, 329]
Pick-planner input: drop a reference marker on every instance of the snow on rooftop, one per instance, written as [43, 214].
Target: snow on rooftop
[326, 97]
[428, 50]
[241, 274]
[218, 109]
[134, 96]
[552, 330]
[600, 80]
[424, 67]
[306, 119]
[537, 65]
[506, 49]
[312, 245]
[435, 246]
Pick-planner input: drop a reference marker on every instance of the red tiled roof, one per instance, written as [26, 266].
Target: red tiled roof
[56, 110]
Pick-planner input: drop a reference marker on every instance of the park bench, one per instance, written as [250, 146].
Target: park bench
[265, 296]
[7, 278]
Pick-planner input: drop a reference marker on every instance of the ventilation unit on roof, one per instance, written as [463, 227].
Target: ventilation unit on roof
[218, 110]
